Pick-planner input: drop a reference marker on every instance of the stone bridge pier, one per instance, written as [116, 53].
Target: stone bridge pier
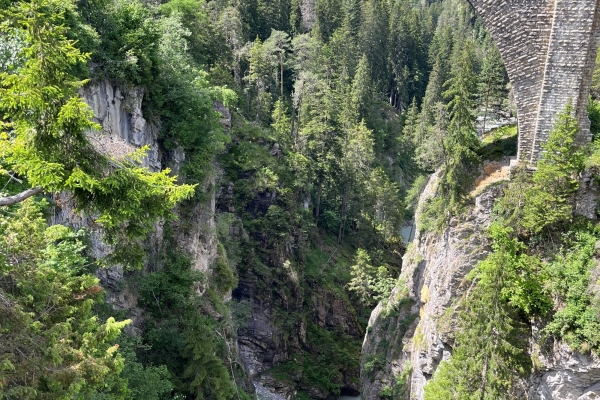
[549, 48]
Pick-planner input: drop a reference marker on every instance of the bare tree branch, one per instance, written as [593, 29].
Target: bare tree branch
[17, 198]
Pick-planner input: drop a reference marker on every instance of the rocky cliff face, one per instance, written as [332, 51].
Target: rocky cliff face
[124, 129]
[411, 333]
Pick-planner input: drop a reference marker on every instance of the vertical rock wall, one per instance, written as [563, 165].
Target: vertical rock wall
[119, 113]
[412, 332]
[123, 130]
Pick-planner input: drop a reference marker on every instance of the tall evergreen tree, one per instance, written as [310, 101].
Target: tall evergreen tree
[278, 45]
[462, 141]
[555, 181]
[492, 85]
[374, 35]
[328, 16]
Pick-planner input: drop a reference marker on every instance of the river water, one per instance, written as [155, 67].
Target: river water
[262, 393]
[408, 231]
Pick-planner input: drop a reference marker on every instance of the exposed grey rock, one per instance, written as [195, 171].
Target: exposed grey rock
[420, 336]
[418, 333]
[566, 375]
[225, 113]
[263, 393]
[124, 128]
[586, 203]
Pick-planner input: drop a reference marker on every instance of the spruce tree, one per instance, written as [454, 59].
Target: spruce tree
[462, 141]
[555, 180]
[492, 85]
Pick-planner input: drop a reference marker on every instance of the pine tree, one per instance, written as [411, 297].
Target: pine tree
[362, 91]
[461, 142]
[281, 125]
[328, 17]
[278, 45]
[374, 35]
[555, 181]
[411, 122]
[260, 73]
[492, 85]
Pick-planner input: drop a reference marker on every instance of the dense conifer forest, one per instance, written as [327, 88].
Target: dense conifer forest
[340, 110]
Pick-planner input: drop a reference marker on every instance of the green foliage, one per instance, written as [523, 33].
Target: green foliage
[184, 98]
[576, 321]
[370, 283]
[181, 336]
[414, 193]
[594, 114]
[143, 382]
[209, 378]
[461, 142]
[52, 346]
[550, 200]
[46, 142]
[332, 354]
[127, 52]
[222, 275]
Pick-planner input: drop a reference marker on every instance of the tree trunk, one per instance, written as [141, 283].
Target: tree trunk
[343, 216]
[318, 203]
[281, 79]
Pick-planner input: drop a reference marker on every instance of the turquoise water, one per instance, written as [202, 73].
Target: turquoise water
[408, 234]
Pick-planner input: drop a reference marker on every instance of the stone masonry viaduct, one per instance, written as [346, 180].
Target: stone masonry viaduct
[549, 48]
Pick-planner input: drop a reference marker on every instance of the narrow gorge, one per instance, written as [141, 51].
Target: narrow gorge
[299, 199]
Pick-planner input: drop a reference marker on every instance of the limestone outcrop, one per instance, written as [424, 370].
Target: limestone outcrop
[124, 129]
[409, 334]
[412, 332]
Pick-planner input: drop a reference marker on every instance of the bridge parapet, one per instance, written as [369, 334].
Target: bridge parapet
[549, 48]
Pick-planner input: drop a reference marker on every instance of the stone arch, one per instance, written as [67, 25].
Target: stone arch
[549, 49]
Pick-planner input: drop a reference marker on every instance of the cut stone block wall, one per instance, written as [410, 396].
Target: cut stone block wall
[549, 48]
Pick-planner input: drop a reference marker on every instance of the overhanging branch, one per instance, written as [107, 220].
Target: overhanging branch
[17, 198]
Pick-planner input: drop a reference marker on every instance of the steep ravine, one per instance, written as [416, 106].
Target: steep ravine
[124, 129]
[285, 314]
[412, 332]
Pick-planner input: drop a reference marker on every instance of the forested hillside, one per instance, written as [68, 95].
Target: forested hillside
[244, 216]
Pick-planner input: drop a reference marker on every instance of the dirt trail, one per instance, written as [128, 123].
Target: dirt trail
[492, 171]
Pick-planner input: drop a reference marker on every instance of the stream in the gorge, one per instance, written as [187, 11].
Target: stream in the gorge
[262, 393]
[408, 231]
